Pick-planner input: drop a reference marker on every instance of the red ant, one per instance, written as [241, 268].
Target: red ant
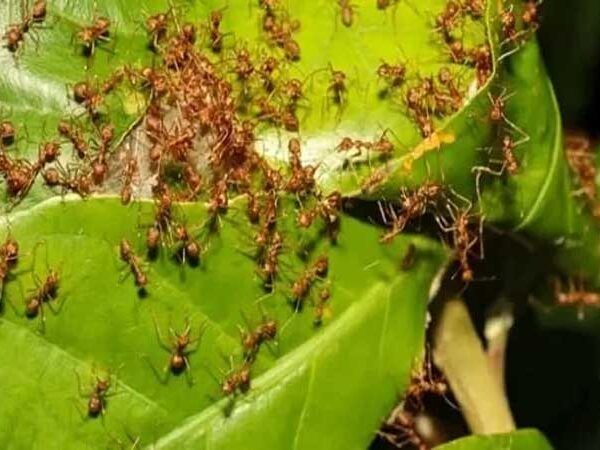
[347, 12]
[75, 136]
[43, 296]
[253, 340]
[157, 27]
[531, 15]
[91, 35]
[400, 430]
[413, 205]
[97, 398]
[447, 20]
[393, 74]
[86, 95]
[482, 58]
[179, 347]
[214, 24]
[266, 70]
[320, 306]
[423, 382]
[337, 86]
[9, 258]
[132, 260]
[189, 248]
[130, 169]
[328, 209]
[576, 295]
[236, 380]
[474, 8]
[462, 237]
[581, 160]
[7, 133]
[302, 286]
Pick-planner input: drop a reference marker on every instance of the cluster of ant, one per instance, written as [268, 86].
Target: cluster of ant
[517, 28]
[449, 22]
[401, 429]
[453, 218]
[45, 292]
[279, 28]
[16, 32]
[434, 98]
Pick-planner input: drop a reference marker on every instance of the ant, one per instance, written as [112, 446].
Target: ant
[371, 182]
[474, 8]
[301, 287]
[347, 12]
[531, 15]
[157, 27]
[462, 236]
[252, 340]
[75, 136]
[509, 161]
[130, 169]
[337, 86]
[270, 263]
[132, 260]
[576, 295]
[328, 209]
[498, 105]
[189, 248]
[482, 58]
[97, 398]
[448, 19]
[422, 382]
[320, 306]
[402, 425]
[214, 24]
[581, 160]
[7, 133]
[86, 95]
[179, 347]
[91, 35]
[244, 68]
[236, 380]
[456, 50]
[9, 258]
[393, 74]
[266, 70]
[413, 205]
[43, 296]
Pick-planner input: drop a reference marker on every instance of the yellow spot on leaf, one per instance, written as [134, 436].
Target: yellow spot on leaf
[433, 142]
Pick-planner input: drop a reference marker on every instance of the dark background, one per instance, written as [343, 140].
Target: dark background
[553, 376]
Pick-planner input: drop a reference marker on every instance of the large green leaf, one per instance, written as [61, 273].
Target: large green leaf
[517, 440]
[358, 360]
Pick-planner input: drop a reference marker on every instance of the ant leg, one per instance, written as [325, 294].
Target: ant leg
[161, 376]
[82, 393]
[159, 336]
[82, 413]
[188, 371]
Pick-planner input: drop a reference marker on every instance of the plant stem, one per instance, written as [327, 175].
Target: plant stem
[458, 352]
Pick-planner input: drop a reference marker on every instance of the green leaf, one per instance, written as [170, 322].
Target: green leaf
[358, 360]
[539, 199]
[517, 440]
